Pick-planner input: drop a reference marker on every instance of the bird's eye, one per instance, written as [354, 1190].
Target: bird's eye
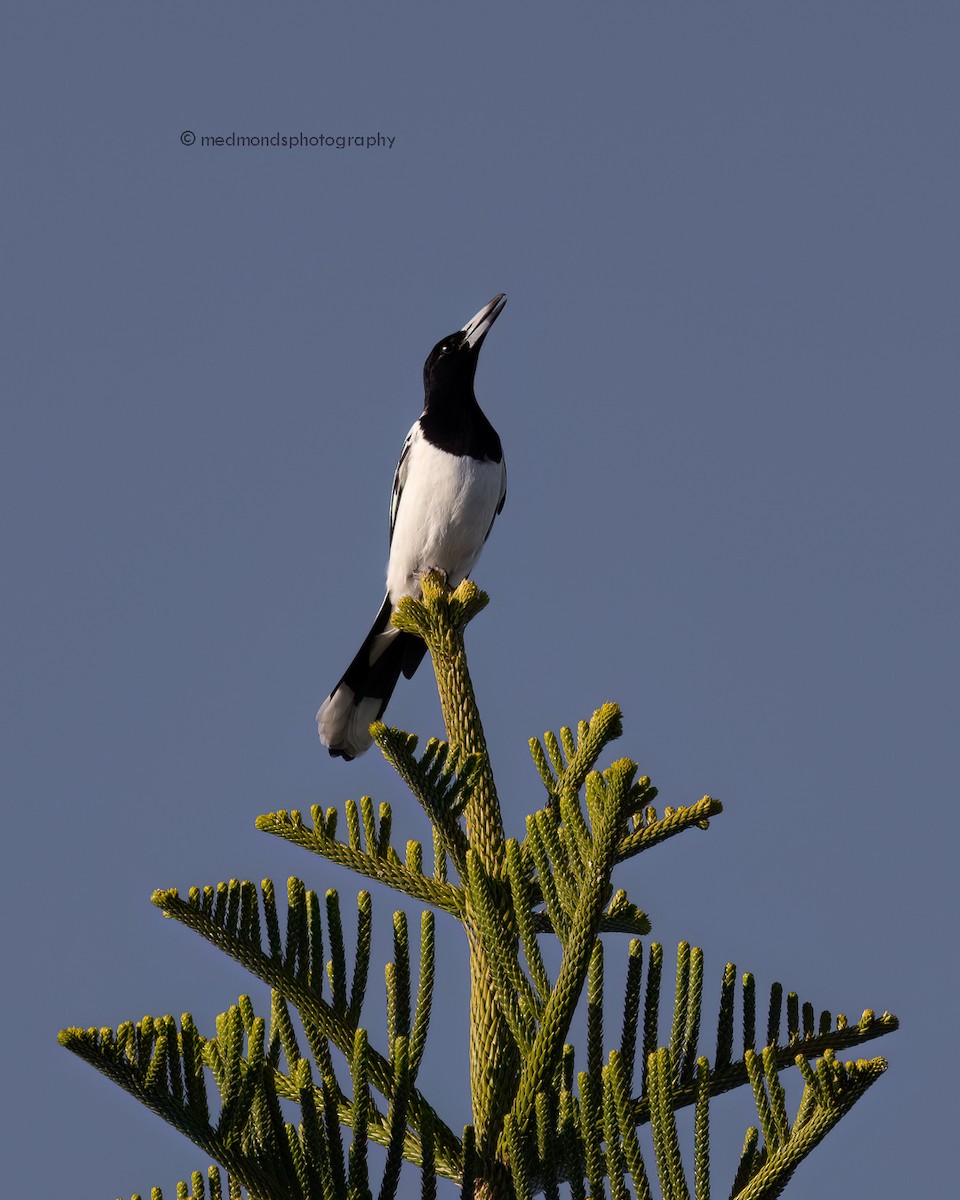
[445, 348]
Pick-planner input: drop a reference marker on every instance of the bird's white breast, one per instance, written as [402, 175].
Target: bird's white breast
[446, 507]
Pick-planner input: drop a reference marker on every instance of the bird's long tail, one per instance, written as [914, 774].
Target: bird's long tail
[359, 699]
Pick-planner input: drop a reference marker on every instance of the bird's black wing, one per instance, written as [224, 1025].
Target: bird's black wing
[399, 478]
[502, 501]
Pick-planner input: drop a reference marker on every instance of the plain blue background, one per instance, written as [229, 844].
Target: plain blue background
[726, 381]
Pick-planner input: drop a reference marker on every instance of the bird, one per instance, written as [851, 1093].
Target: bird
[449, 487]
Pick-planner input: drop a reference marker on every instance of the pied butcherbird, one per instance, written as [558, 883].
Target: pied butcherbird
[449, 486]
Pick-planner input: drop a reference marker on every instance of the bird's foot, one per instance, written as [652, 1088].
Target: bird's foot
[439, 573]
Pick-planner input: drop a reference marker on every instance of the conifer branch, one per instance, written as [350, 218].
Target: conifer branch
[441, 780]
[380, 862]
[302, 989]
[538, 1067]
[199, 1188]
[569, 771]
[424, 1002]
[617, 1082]
[248, 1089]
[650, 830]
[440, 619]
[701, 1132]
[591, 1132]
[522, 901]
[631, 1006]
[242, 1146]
[539, 1125]
[771, 1167]
[736, 1075]
[514, 993]
[616, 1158]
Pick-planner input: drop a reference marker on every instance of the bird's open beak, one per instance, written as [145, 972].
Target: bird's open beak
[478, 327]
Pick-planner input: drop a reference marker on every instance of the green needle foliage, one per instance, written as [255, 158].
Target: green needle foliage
[540, 1126]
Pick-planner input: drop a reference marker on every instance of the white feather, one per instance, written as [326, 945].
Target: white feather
[339, 723]
[442, 513]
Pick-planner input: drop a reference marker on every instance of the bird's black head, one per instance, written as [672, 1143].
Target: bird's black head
[452, 363]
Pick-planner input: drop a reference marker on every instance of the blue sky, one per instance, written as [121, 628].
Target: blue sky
[726, 383]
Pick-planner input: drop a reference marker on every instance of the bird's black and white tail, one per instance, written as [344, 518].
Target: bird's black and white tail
[359, 699]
